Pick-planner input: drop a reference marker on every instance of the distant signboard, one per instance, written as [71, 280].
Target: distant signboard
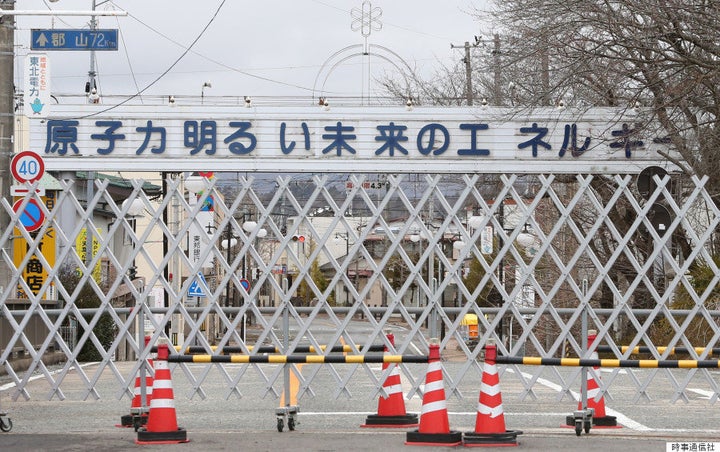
[81, 245]
[37, 85]
[34, 272]
[68, 39]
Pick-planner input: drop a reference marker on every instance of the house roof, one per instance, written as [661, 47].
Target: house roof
[118, 182]
[358, 265]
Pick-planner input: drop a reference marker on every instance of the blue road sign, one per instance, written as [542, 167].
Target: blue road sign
[68, 39]
[197, 287]
[32, 218]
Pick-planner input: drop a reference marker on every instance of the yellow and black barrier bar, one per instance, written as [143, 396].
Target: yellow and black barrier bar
[272, 349]
[641, 363]
[673, 350]
[298, 359]
[194, 349]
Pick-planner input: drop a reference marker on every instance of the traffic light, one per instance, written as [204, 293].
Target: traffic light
[298, 238]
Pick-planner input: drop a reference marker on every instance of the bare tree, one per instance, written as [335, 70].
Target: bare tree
[659, 58]
[659, 55]
[446, 87]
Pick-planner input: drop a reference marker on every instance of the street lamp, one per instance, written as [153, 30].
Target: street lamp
[202, 92]
[525, 239]
[249, 226]
[134, 210]
[345, 236]
[458, 245]
[194, 184]
[227, 243]
[415, 238]
[230, 241]
[433, 319]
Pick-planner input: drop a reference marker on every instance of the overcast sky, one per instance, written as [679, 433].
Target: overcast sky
[259, 48]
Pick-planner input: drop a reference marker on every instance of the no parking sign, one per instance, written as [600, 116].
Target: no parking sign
[32, 217]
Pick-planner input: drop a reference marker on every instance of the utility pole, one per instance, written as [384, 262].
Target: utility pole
[497, 87]
[7, 101]
[7, 118]
[545, 75]
[92, 83]
[93, 96]
[468, 68]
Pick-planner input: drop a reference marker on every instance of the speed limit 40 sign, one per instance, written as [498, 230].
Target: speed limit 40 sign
[27, 166]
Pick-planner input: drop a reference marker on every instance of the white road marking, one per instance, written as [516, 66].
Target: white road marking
[621, 418]
[7, 386]
[703, 393]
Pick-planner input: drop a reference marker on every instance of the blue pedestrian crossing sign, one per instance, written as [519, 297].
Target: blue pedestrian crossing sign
[198, 286]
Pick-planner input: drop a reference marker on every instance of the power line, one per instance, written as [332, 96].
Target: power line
[128, 99]
[127, 57]
[234, 69]
[255, 76]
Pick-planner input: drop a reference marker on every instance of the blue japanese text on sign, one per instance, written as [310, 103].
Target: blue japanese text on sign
[62, 39]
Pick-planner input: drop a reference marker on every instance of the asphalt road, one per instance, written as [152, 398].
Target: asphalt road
[217, 418]
[306, 441]
[329, 423]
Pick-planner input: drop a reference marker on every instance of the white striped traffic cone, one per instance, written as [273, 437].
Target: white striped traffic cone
[599, 418]
[162, 427]
[490, 420]
[138, 411]
[391, 409]
[434, 428]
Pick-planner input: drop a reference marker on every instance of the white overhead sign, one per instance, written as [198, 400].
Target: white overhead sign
[372, 139]
[36, 72]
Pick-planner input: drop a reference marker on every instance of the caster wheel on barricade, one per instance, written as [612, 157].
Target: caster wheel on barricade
[583, 419]
[6, 425]
[288, 413]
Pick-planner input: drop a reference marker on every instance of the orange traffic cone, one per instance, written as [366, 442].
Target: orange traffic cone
[599, 418]
[434, 428]
[490, 420]
[162, 427]
[139, 411]
[391, 409]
